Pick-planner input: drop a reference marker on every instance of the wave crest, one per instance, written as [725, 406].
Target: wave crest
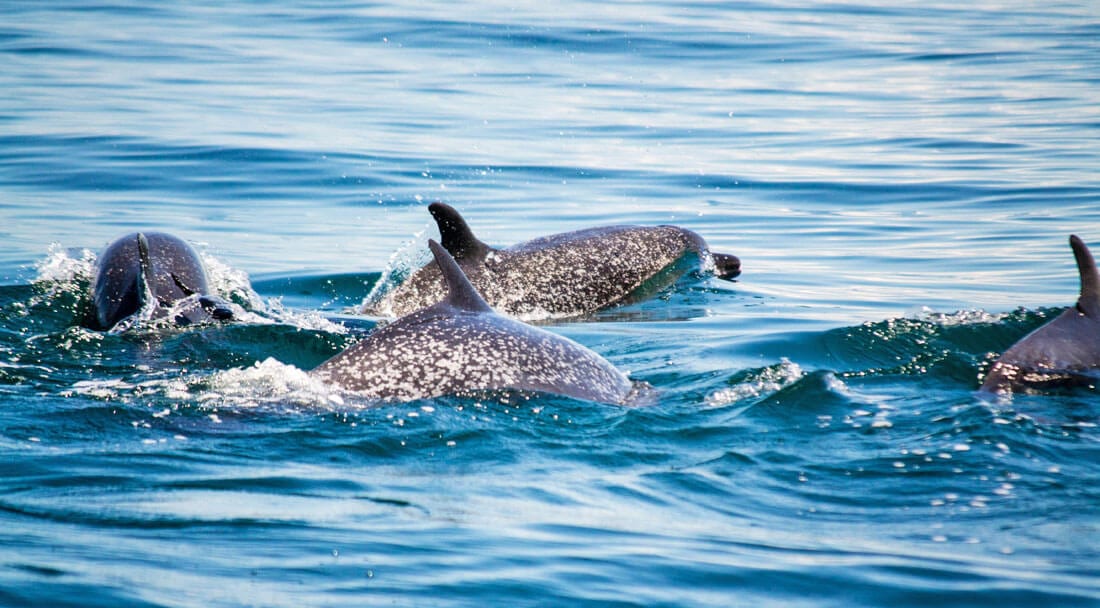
[757, 383]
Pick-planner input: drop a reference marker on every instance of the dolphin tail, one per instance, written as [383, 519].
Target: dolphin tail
[460, 292]
[1089, 300]
[455, 234]
[726, 266]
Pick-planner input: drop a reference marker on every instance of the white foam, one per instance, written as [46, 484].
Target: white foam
[60, 273]
[110, 389]
[270, 382]
[273, 311]
[769, 380]
[59, 266]
[959, 317]
[231, 283]
[234, 285]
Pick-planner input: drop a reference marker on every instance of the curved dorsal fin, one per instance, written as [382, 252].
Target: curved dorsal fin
[1089, 300]
[460, 293]
[456, 235]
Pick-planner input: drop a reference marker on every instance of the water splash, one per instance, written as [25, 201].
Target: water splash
[959, 317]
[234, 285]
[758, 383]
[268, 382]
[407, 259]
[63, 266]
[231, 283]
[268, 385]
[64, 278]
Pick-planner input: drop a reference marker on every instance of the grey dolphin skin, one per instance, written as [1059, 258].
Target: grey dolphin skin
[1065, 351]
[152, 268]
[459, 345]
[560, 275]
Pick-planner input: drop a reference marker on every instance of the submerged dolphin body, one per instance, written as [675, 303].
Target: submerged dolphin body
[560, 275]
[1064, 351]
[459, 345]
[152, 269]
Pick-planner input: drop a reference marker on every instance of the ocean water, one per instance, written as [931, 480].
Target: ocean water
[899, 182]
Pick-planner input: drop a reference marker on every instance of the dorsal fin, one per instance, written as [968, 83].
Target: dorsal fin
[460, 292]
[1089, 300]
[144, 288]
[455, 234]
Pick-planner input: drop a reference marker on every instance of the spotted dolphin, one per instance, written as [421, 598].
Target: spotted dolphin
[152, 269]
[459, 346]
[561, 275]
[1064, 351]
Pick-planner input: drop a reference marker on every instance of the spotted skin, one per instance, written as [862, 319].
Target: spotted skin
[561, 275]
[1065, 351]
[461, 346]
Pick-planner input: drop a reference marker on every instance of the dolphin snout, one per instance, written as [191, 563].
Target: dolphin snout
[726, 266]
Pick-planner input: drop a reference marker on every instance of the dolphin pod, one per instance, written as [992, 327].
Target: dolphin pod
[561, 275]
[453, 342]
[152, 269]
[1064, 351]
[459, 345]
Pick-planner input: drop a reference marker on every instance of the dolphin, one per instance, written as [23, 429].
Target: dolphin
[152, 269]
[1065, 351]
[561, 275]
[459, 346]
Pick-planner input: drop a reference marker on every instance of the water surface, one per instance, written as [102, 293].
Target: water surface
[899, 181]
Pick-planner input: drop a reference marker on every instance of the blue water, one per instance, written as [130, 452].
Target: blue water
[899, 181]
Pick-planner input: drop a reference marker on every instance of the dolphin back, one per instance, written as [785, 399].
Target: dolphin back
[459, 346]
[120, 287]
[1065, 351]
[563, 275]
[430, 354]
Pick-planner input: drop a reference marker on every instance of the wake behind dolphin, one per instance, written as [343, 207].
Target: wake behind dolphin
[156, 270]
[1064, 351]
[459, 345]
[560, 275]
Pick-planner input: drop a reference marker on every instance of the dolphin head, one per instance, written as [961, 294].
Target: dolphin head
[726, 266]
[151, 269]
